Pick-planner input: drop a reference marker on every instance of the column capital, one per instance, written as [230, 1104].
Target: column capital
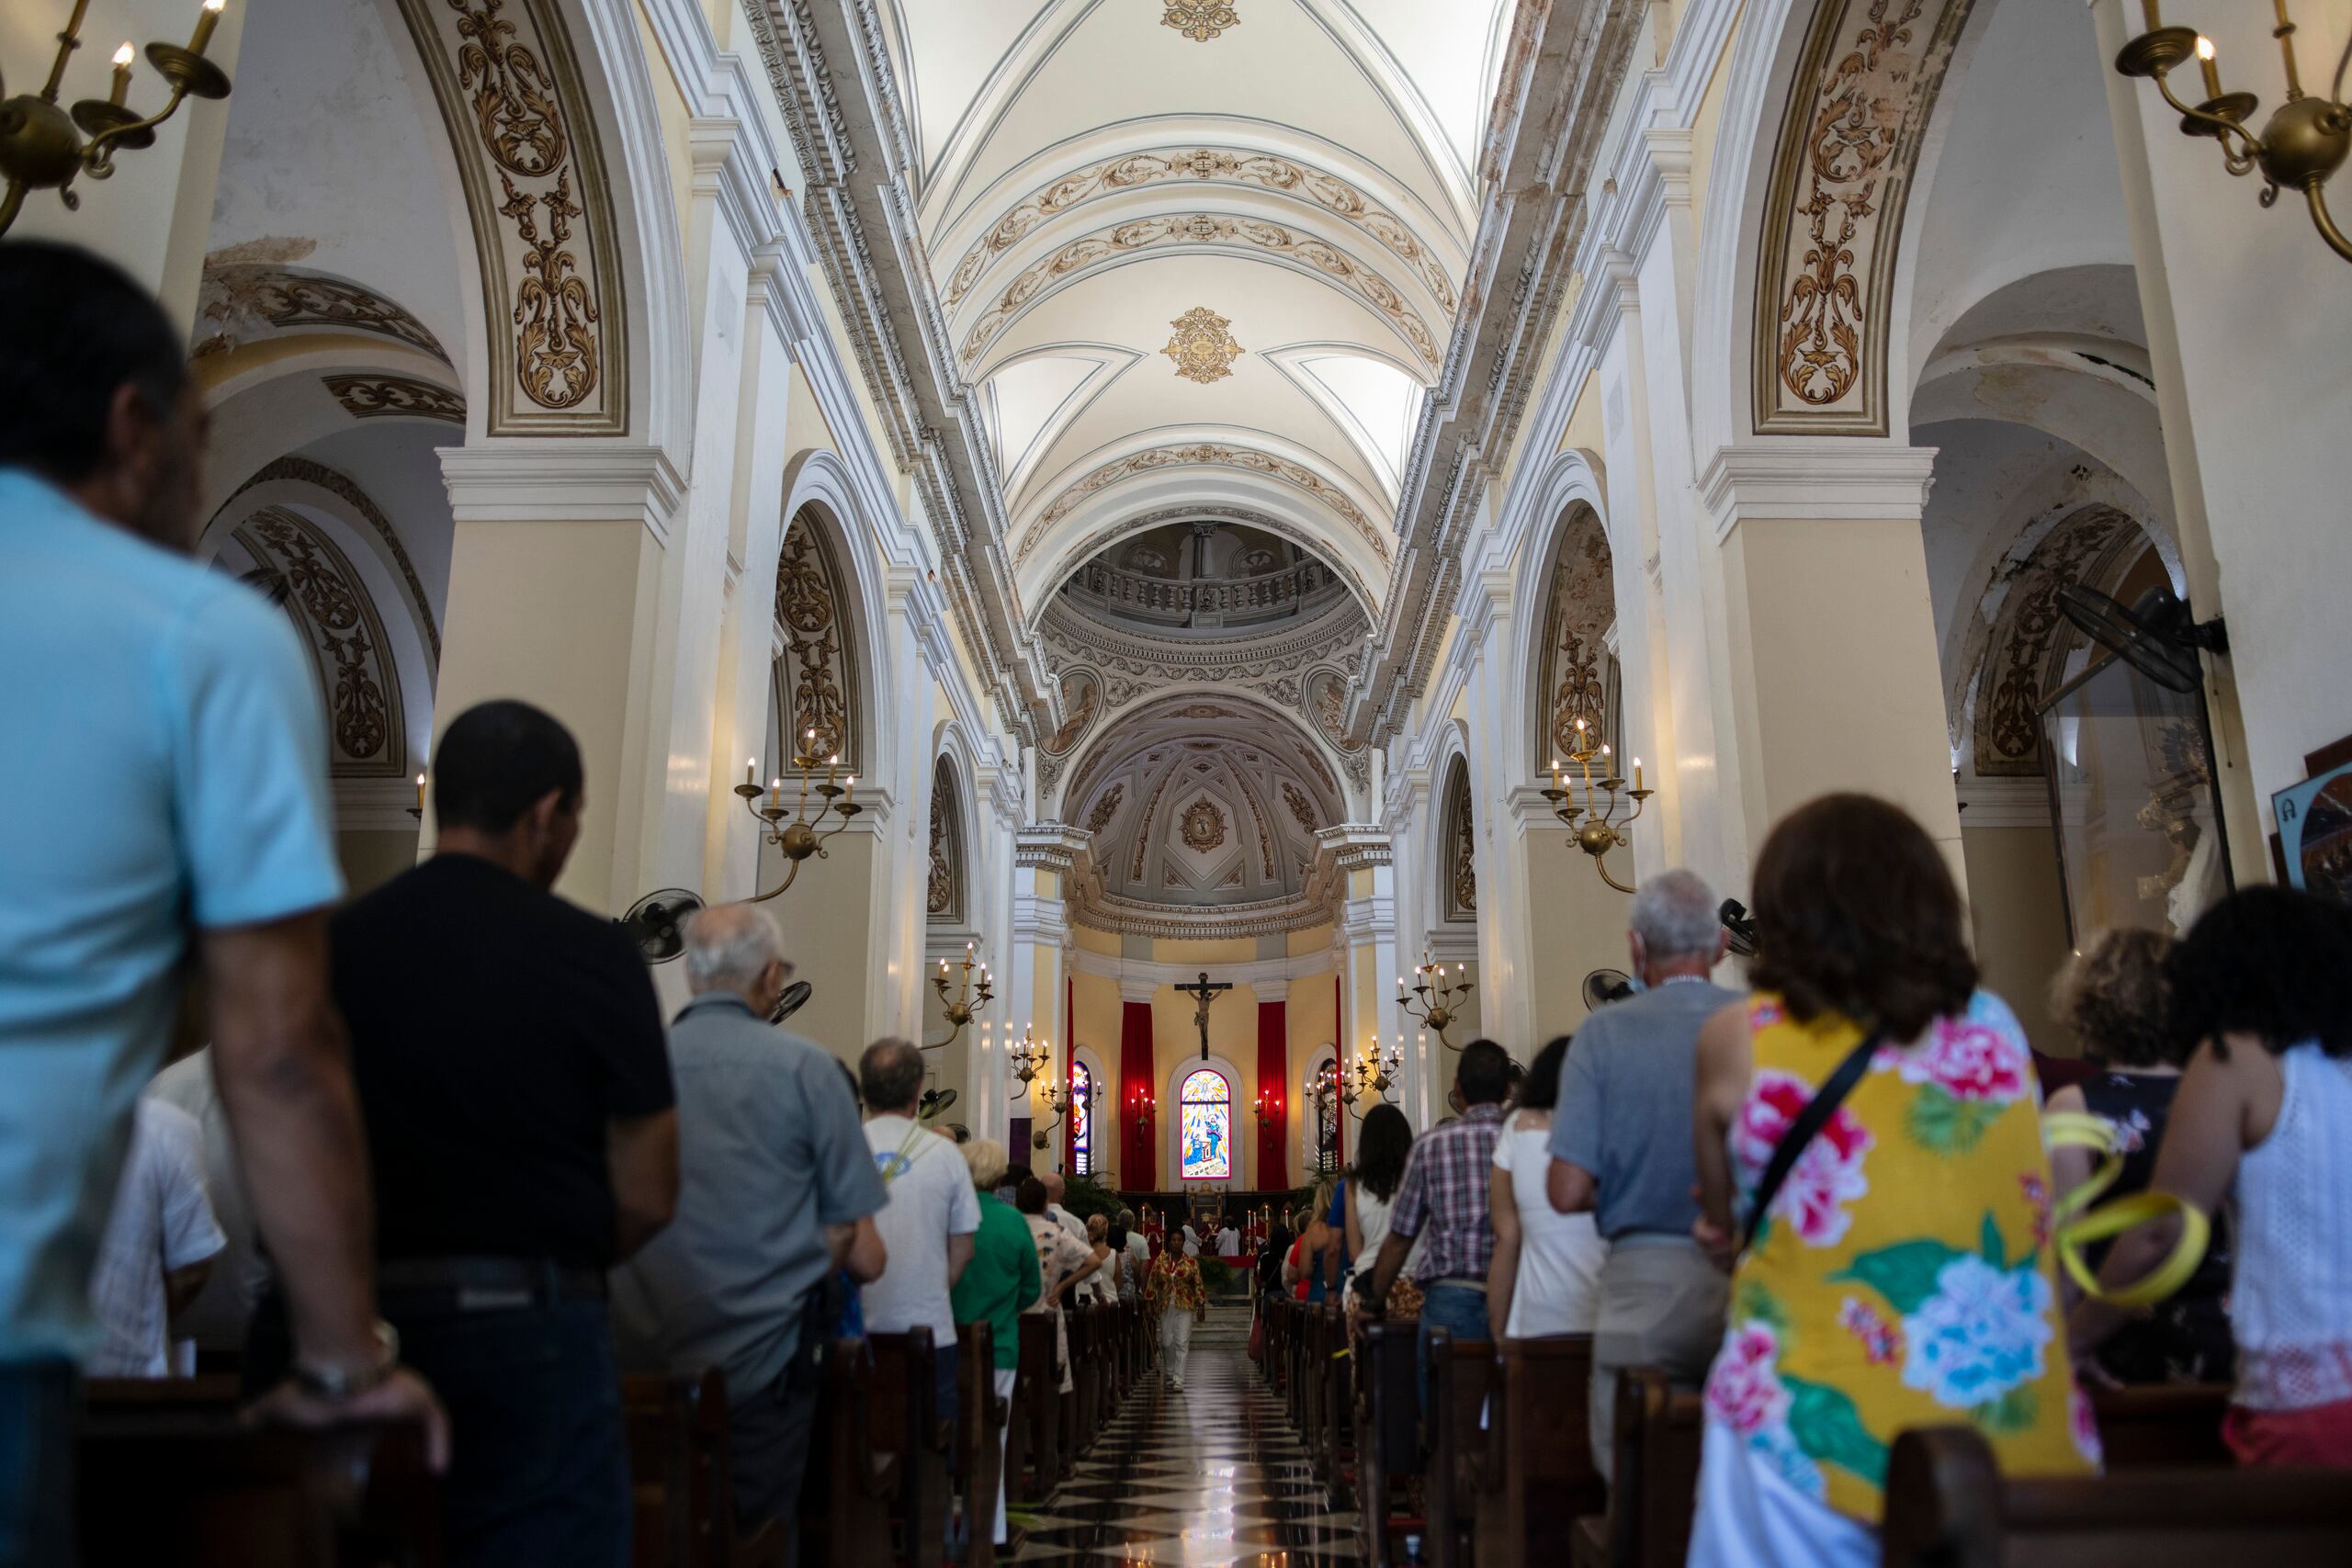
[1050, 846]
[1137, 988]
[1796, 476]
[1271, 991]
[547, 479]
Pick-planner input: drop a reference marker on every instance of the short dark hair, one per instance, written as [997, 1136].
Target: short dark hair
[1029, 1196]
[2274, 962]
[1382, 1146]
[2113, 995]
[499, 759]
[1540, 1088]
[1855, 914]
[1483, 1075]
[891, 1074]
[74, 328]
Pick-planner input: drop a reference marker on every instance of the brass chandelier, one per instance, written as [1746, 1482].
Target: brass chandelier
[1434, 1004]
[2301, 144]
[799, 837]
[40, 144]
[1595, 823]
[965, 1005]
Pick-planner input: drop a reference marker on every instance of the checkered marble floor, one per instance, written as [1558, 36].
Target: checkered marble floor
[1212, 1476]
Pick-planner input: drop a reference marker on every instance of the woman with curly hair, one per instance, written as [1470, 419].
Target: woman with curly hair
[2263, 986]
[2114, 998]
[1901, 1274]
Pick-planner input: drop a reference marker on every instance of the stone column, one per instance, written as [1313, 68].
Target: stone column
[1361, 855]
[555, 587]
[1833, 676]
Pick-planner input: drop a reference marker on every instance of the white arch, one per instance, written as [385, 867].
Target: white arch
[818, 477]
[1570, 481]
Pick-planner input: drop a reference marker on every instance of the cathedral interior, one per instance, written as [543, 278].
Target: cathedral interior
[1314, 496]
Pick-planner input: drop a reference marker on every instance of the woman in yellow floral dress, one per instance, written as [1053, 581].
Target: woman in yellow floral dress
[1902, 1276]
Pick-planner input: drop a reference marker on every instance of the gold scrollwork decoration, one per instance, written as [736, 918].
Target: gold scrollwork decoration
[1200, 20]
[332, 609]
[514, 97]
[816, 667]
[1202, 348]
[556, 352]
[378, 396]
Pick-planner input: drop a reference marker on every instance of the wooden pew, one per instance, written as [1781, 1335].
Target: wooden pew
[1657, 1459]
[854, 1466]
[1389, 1434]
[980, 1422]
[1035, 1463]
[1461, 1379]
[2171, 1425]
[176, 1482]
[1948, 1507]
[1536, 1476]
[1087, 1354]
[907, 1420]
[682, 1477]
[1338, 1396]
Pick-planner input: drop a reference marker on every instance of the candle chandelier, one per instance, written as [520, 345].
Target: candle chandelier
[1374, 1072]
[1144, 1104]
[1057, 1102]
[1434, 1003]
[966, 1003]
[2301, 144]
[1595, 823]
[1029, 1057]
[799, 837]
[1266, 1107]
[40, 144]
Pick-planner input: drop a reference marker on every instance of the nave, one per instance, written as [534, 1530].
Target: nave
[1210, 1475]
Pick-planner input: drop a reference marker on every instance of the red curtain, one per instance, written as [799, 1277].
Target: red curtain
[1138, 1170]
[1273, 1090]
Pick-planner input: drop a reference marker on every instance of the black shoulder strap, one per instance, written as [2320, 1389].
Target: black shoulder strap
[1805, 1129]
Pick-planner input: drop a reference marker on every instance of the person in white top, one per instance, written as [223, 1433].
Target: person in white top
[1191, 1240]
[158, 1246]
[927, 1225]
[217, 1318]
[2264, 982]
[1546, 1275]
[1138, 1259]
[1055, 1190]
[1228, 1241]
[1382, 1145]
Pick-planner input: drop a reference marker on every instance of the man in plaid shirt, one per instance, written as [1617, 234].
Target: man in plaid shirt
[1443, 1193]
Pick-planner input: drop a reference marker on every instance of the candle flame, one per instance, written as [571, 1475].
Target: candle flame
[216, 6]
[2204, 47]
[122, 55]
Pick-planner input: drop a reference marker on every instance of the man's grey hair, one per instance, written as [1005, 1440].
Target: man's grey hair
[891, 1075]
[1127, 1218]
[1674, 914]
[986, 1160]
[729, 945]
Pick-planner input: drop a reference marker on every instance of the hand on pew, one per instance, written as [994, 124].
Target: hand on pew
[401, 1397]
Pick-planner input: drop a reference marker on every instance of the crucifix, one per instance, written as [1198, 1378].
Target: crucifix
[1207, 994]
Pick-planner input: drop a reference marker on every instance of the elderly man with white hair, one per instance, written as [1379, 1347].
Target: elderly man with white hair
[776, 1178]
[1622, 1149]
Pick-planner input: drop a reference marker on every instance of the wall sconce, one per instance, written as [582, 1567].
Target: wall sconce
[1267, 1107]
[1028, 1057]
[1439, 1005]
[2301, 144]
[40, 148]
[1146, 1105]
[964, 1004]
[798, 838]
[1595, 823]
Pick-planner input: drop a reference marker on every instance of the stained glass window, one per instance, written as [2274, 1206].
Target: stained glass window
[1082, 1119]
[1208, 1127]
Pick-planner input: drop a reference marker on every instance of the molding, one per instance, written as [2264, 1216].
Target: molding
[1800, 478]
[538, 482]
[1132, 988]
[1051, 846]
[2003, 802]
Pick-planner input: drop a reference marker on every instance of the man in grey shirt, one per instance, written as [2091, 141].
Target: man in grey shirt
[1622, 1149]
[774, 1177]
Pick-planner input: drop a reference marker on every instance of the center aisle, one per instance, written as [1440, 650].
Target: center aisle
[1213, 1475]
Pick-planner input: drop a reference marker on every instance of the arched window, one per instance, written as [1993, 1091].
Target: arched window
[1206, 1130]
[1081, 1118]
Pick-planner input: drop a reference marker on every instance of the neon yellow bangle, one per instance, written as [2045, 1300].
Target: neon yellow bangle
[2074, 1224]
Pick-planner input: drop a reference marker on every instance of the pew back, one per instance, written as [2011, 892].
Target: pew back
[1461, 1379]
[1538, 1474]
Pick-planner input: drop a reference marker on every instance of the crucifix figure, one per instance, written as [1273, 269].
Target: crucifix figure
[1207, 994]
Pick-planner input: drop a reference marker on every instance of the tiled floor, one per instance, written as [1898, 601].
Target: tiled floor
[1213, 1475]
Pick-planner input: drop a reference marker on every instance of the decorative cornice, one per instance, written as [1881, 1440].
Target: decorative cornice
[1200, 455]
[1269, 977]
[1800, 478]
[1050, 846]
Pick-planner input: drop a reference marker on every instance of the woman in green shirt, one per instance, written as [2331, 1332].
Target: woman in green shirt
[998, 1282]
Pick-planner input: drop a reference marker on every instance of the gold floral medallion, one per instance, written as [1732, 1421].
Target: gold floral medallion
[1202, 349]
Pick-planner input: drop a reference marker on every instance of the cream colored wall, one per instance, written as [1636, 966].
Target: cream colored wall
[1315, 939]
[1834, 682]
[1092, 940]
[823, 920]
[1706, 125]
[1579, 922]
[549, 612]
[669, 104]
[2017, 908]
[373, 856]
[1223, 950]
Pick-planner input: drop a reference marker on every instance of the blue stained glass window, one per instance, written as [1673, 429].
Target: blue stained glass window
[1206, 1128]
[1082, 1119]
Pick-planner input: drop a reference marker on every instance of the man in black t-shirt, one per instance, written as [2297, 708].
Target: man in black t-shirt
[512, 1074]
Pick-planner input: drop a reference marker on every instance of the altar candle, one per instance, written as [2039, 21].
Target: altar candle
[205, 20]
[121, 74]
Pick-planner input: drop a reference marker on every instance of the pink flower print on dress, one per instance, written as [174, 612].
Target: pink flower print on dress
[1764, 1013]
[1968, 1060]
[1881, 1339]
[1744, 1391]
[1827, 1176]
[2083, 1423]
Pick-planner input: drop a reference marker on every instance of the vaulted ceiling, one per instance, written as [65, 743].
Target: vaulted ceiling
[1197, 253]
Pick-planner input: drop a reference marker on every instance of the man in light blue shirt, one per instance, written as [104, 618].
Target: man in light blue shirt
[162, 797]
[1621, 1148]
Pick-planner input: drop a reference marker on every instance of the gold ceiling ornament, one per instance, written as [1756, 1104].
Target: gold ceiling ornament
[1204, 826]
[1200, 20]
[40, 144]
[2305, 139]
[1202, 349]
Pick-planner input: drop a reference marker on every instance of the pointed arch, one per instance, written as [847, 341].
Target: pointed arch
[1457, 876]
[817, 685]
